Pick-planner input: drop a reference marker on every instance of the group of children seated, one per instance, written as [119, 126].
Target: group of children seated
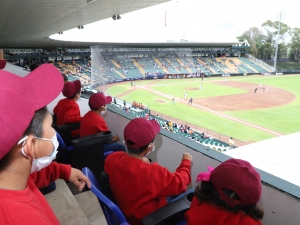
[228, 194]
[138, 105]
[67, 111]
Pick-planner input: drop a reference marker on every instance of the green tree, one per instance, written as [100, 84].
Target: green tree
[295, 43]
[254, 37]
[271, 30]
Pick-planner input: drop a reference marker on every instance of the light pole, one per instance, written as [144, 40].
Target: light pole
[279, 16]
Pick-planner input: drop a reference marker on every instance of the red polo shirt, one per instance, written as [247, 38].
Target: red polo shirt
[29, 206]
[208, 214]
[67, 111]
[92, 123]
[141, 188]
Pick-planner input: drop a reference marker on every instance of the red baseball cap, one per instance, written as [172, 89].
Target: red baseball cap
[239, 176]
[21, 97]
[141, 132]
[98, 100]
[71, 88]
[2, 64]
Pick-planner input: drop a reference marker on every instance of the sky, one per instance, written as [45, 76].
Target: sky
[193, 20]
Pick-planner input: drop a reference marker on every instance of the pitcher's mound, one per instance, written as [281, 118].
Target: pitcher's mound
[160, 101]
[189, 88]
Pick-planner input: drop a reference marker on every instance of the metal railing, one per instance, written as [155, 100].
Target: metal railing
[260, 62]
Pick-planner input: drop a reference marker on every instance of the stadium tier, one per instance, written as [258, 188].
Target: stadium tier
[119, 64]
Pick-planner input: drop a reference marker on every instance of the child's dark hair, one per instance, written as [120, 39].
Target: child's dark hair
[34, 66]
[74, 95]
[139, 150]
[93, 108]
[35, 128]
[205, 192]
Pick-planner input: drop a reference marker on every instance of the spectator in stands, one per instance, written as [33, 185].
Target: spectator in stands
[65, 78]
[67, 110]
[28, 146]
[35, 65]
[227, 194]
[93, 123]
[231, 143]
[144, 187]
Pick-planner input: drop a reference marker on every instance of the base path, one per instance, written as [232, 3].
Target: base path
[247, 101]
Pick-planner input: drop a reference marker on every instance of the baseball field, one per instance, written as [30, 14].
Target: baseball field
[227, 106]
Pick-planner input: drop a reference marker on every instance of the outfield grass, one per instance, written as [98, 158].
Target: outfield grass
[125, 86]
[191, 115]
[118, 89]
[208, 90]
[282, 119]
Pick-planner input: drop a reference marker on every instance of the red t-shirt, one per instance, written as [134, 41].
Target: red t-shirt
[92, 123]
[208, 214]
[29, 206]
[141, 188]
[67, 111]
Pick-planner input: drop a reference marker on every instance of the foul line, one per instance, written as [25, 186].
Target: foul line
[207, 80]
[217, 113]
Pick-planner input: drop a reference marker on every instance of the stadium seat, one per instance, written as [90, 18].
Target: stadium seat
[88, 152]
[63, 155]
[168, 215]
[65, 131]
[171, 214]
[113, 214]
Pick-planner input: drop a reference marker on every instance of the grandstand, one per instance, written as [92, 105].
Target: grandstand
[118, 64]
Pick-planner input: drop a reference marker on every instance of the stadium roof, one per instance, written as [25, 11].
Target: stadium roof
[170, 44]
[28, 23]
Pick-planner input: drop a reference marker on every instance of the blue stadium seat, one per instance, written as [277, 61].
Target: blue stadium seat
[113, 214]
[171, 214]
[63, 150]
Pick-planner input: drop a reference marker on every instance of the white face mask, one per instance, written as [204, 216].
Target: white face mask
[40, 163]
[103, 111]
[153, 148]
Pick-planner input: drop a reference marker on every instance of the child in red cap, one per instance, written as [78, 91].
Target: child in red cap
[93, 122]
[141, 188]
[227, 195]
[67, 110]
[28, 146]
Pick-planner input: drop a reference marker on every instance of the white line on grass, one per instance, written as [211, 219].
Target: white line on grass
[218, 113]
